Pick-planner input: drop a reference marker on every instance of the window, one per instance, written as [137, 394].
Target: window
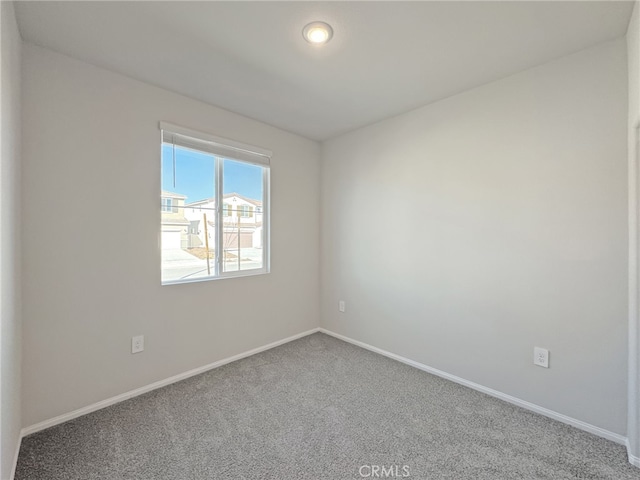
[245, 211]
[166, 205]
[213, 183]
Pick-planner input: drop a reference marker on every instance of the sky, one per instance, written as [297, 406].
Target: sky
[195, 175]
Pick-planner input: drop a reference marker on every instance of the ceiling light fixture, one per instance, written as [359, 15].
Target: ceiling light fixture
[317, 33]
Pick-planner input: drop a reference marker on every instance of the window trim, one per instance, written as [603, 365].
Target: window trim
[223, 149]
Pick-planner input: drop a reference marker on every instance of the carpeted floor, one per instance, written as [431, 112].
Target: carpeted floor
[317, 408]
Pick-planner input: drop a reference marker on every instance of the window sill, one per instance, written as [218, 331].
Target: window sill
[245, 273]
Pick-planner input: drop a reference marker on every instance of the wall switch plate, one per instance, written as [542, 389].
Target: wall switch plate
[137, 344]
[541, 357]
[342, 306]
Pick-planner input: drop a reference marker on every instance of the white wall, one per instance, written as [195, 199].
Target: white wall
[10, 331]
[465, 233]
[633, 59]
[92, 163]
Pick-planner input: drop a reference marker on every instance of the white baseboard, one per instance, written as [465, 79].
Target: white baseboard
[601, 432]
[633, 460]
[162, 383]
[12, 475]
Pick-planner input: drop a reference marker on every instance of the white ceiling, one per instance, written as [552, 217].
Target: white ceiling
[385, 57]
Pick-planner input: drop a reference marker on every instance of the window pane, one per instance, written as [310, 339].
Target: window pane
[187, 200]
[243, 233]
[194, 173]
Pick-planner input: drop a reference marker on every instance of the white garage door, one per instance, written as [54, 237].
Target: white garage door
[170, 239]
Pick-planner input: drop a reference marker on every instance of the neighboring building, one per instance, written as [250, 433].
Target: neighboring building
[174, 224]
[242, 219]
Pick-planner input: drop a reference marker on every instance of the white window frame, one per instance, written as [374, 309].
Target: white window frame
[223, 149]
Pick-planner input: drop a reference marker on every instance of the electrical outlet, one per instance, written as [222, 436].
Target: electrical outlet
[342, 306]
[541, 357]
[137, 344]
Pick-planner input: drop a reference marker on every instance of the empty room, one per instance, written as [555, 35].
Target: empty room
[319, 240]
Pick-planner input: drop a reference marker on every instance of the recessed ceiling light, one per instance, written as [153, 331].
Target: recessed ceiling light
[317, 33]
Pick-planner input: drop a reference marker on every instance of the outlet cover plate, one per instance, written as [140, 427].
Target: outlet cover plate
[137, 344]
[541, 357]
